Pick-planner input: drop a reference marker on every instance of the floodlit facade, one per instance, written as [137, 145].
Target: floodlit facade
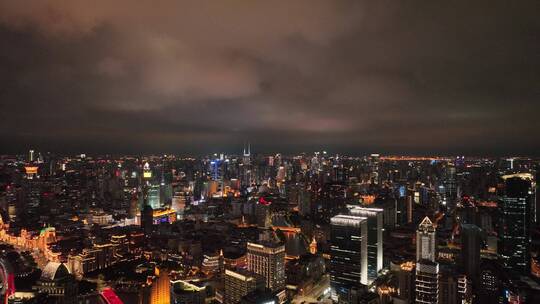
[268, 261]
[427, 270]
[374, 239]
[348, 254]
[238, 284]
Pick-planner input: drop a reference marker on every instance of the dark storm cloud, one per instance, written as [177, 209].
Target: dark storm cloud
[191, 76]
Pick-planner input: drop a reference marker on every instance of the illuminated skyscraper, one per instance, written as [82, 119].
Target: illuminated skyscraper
[31, 156]
[537, 197]
[246, 166]
[516, 220]
[348, 255]
[267, 259]
[246, 160]
[450, 186]
[427, 270]
[374, 160]
[240, 283]
[425, 241]
[216, 169]
[374, 239]
[154, 196]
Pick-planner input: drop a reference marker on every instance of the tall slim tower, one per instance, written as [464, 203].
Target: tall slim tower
[147, 215]
[425, 241]
[537, 196]
[374, 164]
[536, 201]
[516, 221]
[427, 270]
[31, 157]
[246, 160]
[348, 255]
[470, 249]
[374, 238]
[246, 165]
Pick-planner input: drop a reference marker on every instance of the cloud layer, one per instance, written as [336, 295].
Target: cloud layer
[201, 76]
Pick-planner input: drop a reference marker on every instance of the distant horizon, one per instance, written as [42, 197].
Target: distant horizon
[329, 154]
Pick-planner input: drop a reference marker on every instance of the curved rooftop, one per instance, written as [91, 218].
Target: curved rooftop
[54, 271]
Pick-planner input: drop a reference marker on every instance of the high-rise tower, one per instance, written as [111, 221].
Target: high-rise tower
[348, 255]
[246, 166]
[471, 242]
[147, 215]
[374, 239]
[425, 241]
[427, 270]
[514, 244]
[267, 259]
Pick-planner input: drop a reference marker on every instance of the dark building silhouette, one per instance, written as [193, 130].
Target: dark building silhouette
[147, 217]
[471, 242]
[490, 283]
[515, 224]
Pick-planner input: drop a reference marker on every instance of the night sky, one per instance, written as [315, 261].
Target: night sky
[354, 77]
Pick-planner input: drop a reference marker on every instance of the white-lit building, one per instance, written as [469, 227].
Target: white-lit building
[268, 261]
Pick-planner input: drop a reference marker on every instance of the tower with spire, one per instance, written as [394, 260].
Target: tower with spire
[427, 269]
[425, 241]
[246, 160]
[246, 165]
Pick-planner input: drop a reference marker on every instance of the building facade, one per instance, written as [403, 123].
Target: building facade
[268, 261]
[514, 238]
[348, 255]
[374, 239]
[239, 284]
[427, 269]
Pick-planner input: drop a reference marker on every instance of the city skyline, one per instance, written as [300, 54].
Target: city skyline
[352, 77]
[269, 152]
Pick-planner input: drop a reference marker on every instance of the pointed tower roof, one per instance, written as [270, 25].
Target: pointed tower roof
[426, 225]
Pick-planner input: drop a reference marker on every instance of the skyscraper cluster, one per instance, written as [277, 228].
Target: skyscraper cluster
[268, 228]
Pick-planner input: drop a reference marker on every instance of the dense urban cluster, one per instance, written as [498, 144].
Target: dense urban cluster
[268, 229]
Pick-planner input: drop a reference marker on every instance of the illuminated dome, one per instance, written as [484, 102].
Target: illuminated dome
[54, 271]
